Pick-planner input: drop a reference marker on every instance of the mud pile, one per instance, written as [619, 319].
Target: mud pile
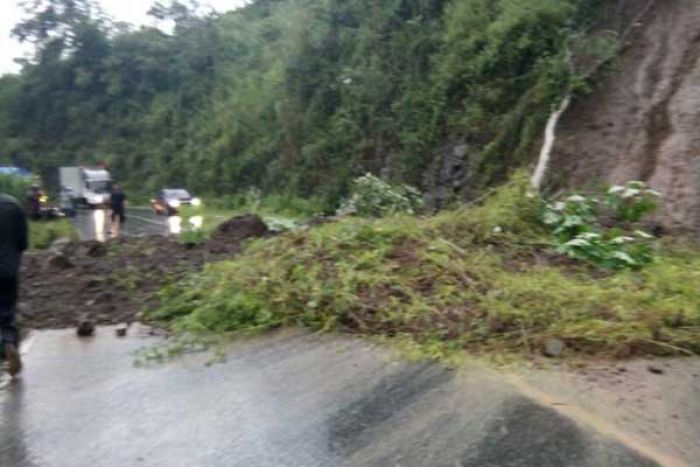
[113, 282]
[228, 236]
[643, 121]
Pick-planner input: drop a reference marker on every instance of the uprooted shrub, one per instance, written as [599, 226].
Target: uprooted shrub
[605, 232]
[373, 197]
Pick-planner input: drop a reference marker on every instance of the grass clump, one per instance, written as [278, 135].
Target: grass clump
[607, 233]
[482, 278]
[373, 197]
[15, 186]
[43, 233]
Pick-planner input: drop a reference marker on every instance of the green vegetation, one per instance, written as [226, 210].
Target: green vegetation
[15, 186]
[295, 97]
[481, 278]
[373, 197]
[193, 237]
[43, 233]
[253, 200]
[578, 225]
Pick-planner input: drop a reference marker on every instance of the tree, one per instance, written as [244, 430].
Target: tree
[57, 22]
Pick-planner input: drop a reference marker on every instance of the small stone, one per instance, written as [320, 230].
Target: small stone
[95, 282]
[622, 369]
[122, 329]
[553, 348]
[60, 262]
[655, 369]
[58, 246]
[104, 297]
[93, 249]
[86, 328]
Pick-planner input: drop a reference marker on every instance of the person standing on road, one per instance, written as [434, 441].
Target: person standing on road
[13, 242]
[67, 206]
[117, 204]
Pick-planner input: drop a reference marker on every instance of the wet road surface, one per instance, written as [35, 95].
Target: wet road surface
[285, 400]
[96, 224]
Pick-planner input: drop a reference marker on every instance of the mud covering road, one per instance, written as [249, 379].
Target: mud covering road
[283, 400]
[112, 282]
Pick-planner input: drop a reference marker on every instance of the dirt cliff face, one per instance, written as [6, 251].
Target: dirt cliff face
[643, 121]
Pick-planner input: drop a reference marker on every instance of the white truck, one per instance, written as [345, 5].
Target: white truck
[89, 187]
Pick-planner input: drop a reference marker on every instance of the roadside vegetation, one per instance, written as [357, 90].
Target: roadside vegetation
[14, 186]
[494, 277]
[43, 233]
[296, 96]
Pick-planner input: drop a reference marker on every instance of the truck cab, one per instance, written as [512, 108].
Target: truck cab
[88, 187]
[98, 187]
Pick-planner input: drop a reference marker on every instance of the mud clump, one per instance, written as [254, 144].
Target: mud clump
[229, 236]
[114, 282]
[86, 328]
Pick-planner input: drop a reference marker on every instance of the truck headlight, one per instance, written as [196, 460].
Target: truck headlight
[196, 202]
[174, 203]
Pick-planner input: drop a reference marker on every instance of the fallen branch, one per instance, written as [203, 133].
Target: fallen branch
[671, 347]
[549, 139]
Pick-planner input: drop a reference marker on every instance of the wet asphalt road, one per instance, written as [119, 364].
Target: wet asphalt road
[96, 224]
[284, 400]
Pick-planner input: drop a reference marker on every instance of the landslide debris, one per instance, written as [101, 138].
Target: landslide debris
[111, 283]
[483, 278]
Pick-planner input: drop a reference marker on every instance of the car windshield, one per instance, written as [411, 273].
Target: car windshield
[102, 186]
[176, 194]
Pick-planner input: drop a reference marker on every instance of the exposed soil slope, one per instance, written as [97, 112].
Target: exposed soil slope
[643, 123]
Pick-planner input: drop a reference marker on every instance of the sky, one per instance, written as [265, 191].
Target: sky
[131, 11]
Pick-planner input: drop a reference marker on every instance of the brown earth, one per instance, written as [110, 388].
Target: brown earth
[113, 282]
[643, 121]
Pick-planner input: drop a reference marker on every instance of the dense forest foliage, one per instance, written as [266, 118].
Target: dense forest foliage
[290, 96]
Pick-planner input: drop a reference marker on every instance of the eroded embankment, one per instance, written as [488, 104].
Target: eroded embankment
[643, 120]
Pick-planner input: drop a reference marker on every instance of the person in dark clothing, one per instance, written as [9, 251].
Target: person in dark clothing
[13, 242]
[117, 203]
[34, 202]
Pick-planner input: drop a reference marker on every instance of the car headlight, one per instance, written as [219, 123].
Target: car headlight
[174, 203]
[196, 202]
